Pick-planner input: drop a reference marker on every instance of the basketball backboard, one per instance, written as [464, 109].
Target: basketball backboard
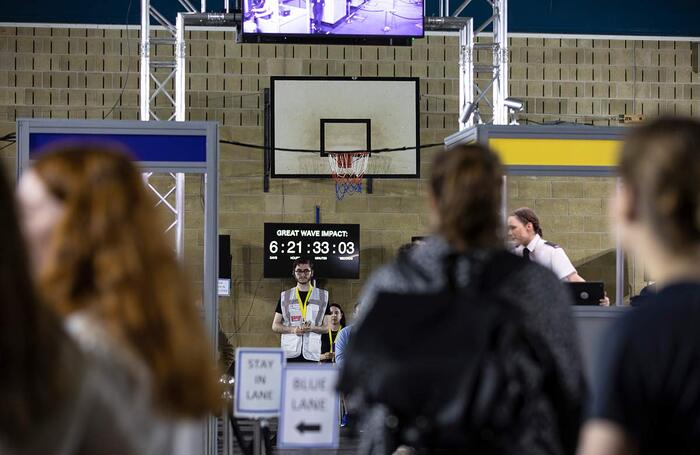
[344, 114]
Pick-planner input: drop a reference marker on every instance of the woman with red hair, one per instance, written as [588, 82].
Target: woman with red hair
[103, 263]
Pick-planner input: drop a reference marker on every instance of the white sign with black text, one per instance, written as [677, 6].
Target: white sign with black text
[258, 384]
[224, 287]
[310, 406]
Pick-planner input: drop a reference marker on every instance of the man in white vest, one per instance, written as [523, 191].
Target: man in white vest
[302, 315]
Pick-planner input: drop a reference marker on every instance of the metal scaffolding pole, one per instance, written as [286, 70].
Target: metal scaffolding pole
[466, 75]
[180, 53]
[465, 27]
[500, 62]
[180, 69]
[497, 68]
[444, 8]
[162, 89]
[145, 84]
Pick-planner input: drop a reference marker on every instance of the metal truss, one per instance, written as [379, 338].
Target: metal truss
[497, 68]
[164, 83]
[174, 187]
[466, 74]
[170, 86]
[465, 27]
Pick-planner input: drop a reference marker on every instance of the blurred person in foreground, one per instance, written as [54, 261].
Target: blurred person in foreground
[647, 396]
[102, 262]
[465, 200]
[52, 398]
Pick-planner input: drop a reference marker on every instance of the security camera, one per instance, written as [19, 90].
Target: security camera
[469, 109]
[515, 104]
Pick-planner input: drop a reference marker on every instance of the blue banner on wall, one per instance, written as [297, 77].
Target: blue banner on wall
[148, 148]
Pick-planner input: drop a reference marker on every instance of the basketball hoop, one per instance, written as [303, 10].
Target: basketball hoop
[347, 169]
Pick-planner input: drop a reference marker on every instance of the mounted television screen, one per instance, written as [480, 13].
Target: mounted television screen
[394, 22]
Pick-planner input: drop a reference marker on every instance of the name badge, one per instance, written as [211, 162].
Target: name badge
[295, 314]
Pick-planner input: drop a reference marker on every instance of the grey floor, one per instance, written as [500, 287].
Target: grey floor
[348, 443]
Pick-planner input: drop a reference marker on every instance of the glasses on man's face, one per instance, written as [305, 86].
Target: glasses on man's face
[302, 271]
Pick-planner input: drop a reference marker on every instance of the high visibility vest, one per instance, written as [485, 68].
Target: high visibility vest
[294, 313]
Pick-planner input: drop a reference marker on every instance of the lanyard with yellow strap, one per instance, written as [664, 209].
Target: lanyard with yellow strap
[302, 305]
[330, 336]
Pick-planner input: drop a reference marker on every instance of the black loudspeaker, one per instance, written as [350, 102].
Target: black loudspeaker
[225, 257]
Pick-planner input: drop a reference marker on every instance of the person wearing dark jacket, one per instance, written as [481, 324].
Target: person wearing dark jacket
[465, 200]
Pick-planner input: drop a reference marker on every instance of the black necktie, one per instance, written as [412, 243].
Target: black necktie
[526, 253]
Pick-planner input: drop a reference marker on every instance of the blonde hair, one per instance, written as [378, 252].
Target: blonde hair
[109, 254]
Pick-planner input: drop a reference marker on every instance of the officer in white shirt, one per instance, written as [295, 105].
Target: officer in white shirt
[524, 228]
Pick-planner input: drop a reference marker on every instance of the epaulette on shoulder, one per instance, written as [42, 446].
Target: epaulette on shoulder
[553, 245]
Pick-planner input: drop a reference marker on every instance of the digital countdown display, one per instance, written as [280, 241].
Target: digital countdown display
[334, 248]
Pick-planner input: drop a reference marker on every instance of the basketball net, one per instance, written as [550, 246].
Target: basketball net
[347, 170]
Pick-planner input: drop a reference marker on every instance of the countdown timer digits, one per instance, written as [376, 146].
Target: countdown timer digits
[317, 247]
[334, 248]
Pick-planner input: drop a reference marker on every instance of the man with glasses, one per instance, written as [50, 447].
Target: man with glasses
[302, 315]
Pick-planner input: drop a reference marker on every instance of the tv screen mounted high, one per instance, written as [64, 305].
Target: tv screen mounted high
[377, 22]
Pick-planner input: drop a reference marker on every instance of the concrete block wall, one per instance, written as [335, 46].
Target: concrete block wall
[594, 80]
[82, 72]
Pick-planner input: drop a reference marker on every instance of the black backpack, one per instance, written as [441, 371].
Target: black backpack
[456, 370]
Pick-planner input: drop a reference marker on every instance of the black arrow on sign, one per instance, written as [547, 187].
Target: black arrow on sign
[304, 427]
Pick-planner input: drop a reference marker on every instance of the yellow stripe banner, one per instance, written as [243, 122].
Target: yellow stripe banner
[556, 152]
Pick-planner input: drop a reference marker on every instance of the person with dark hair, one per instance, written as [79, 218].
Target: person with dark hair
[302, 315]
[465, 201]
[328, 339]
[53, 398]
[524, 228]
[343, 338]
[102, 263]
[647, 393]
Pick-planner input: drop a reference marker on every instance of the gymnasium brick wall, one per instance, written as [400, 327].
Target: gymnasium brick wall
[78, 73]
